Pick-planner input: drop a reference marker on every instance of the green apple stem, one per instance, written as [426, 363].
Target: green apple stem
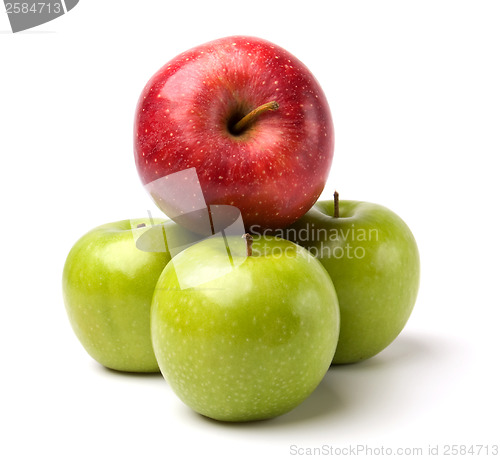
[250, 118]
[249, 240]
[336, 210]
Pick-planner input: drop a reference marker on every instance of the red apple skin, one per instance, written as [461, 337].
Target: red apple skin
[276, 169]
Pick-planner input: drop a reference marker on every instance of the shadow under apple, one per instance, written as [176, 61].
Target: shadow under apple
[380, 387]
[383, 387]
[126, 374]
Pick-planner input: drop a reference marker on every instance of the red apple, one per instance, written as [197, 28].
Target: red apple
[249, 117]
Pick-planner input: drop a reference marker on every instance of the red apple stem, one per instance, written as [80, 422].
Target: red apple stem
[249, 240]
[250, 118]
[336, 210]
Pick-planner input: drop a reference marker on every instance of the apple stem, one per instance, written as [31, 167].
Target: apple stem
[336, 210]
[249, 240]
[250, 118]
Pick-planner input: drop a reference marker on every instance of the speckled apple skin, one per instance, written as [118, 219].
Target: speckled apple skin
[273, 172]
[107, 287]
[251, 344]
[376, 281]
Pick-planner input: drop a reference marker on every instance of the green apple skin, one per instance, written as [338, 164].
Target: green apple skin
[108, 284]
[373, 260]
[251, 343]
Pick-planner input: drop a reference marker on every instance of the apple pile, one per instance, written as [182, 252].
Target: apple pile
[250, 290]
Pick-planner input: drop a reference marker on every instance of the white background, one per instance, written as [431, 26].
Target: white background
[414, 91]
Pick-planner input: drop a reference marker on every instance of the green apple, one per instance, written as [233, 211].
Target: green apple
[108, 283]
[373, 260]
[244, 332]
